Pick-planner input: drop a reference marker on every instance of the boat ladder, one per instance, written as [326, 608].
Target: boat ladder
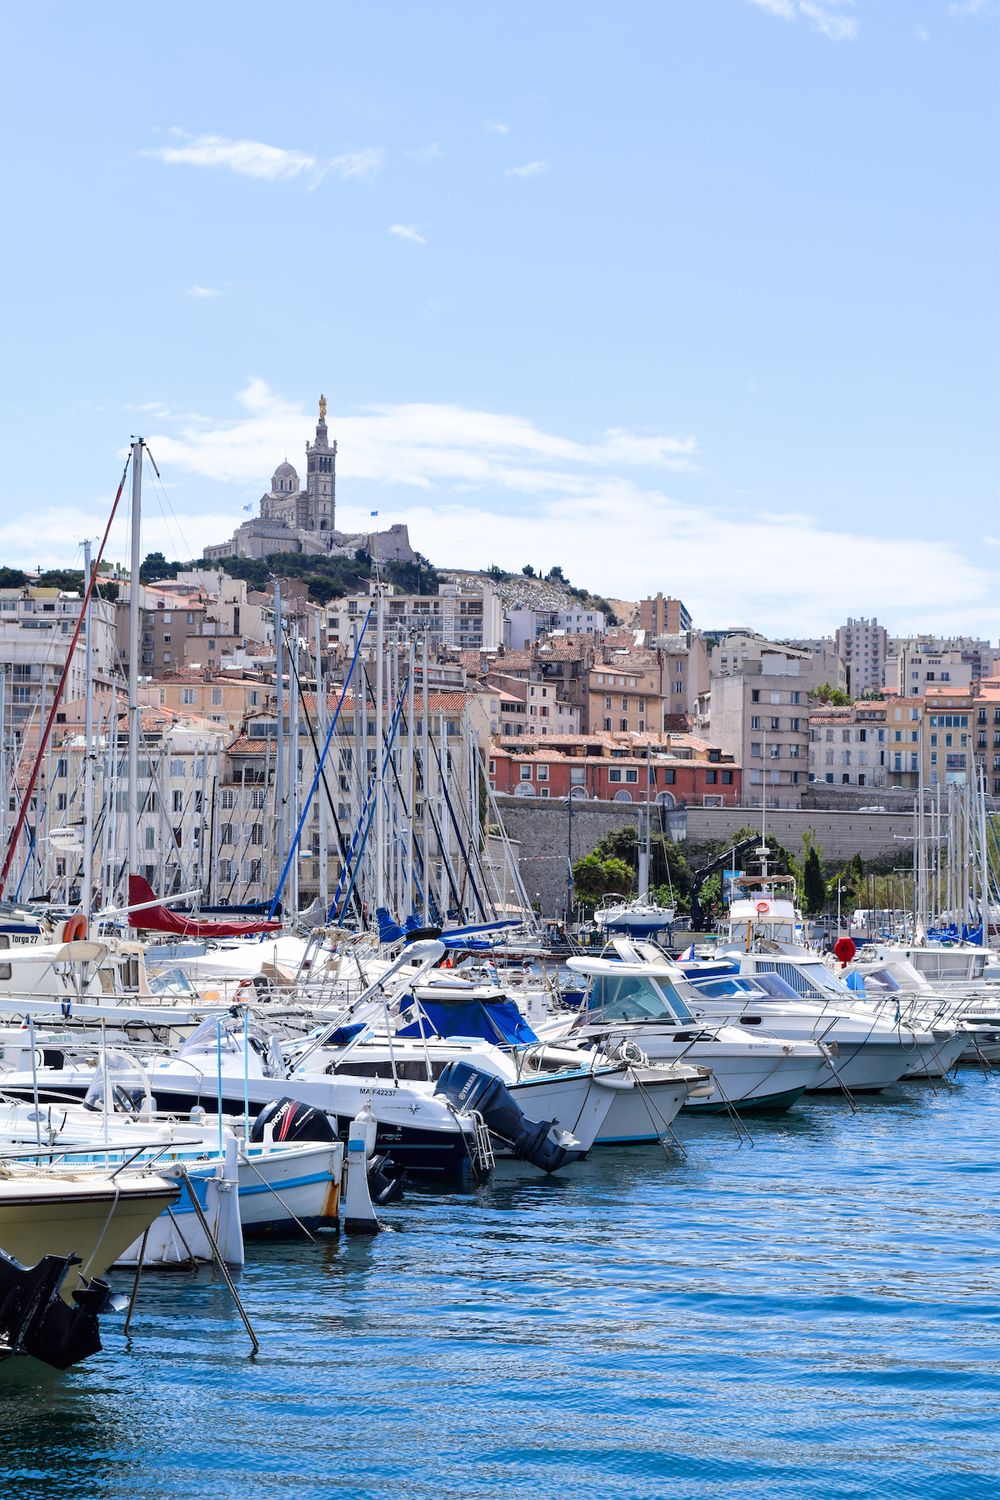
[483, 1159]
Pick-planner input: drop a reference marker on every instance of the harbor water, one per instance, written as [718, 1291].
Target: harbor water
[817, 1314]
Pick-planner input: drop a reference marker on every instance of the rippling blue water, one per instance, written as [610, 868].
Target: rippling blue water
[815, 1316]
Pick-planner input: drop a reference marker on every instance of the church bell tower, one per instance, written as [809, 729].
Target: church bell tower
[321, 478]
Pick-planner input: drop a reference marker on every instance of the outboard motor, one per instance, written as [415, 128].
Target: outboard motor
[291, 1120]
[35, 1320]
[385, 1180]
[469, 1088]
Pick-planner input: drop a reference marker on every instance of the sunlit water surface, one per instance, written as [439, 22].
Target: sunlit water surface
[815, 1315]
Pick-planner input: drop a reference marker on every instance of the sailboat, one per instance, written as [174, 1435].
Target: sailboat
[642, 915]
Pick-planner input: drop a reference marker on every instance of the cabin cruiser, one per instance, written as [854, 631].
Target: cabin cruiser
[632, 1000]
[796, 995]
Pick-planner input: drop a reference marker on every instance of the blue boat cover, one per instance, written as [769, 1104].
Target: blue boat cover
[496, 1021]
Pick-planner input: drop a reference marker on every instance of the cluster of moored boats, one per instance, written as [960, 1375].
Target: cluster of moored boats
[161, 1101]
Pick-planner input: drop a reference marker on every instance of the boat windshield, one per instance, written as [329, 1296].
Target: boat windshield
[746, 987]
[173, 982]
[882, 981]
[635, 997]
[810, 979]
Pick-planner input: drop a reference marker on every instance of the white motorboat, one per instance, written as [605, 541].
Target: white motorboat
[639, 1002]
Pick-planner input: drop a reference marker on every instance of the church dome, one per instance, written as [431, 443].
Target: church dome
[285, 480]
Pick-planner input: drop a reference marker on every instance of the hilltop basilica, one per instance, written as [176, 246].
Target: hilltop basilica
[293, 519]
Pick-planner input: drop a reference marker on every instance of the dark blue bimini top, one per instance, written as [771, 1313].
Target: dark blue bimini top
[496, 1021]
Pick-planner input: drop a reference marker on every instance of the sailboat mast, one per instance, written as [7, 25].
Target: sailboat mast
[379, 736]
[134, 720]
[87, 883]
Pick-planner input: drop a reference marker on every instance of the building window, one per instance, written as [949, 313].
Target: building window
[542, 773]
[755, 747]
[710, 778]
[615, 774]
[525, 773]
[632, 775]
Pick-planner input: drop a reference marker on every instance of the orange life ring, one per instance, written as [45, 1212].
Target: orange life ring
[75, 930]
[763, 906]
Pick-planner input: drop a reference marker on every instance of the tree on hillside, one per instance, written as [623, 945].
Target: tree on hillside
[12, 578]
[155, 566]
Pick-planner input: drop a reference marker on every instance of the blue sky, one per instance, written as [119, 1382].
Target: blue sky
[698, 295]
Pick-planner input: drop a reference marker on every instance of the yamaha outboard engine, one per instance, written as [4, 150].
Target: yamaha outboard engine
[469, 1088]
[291, 1120]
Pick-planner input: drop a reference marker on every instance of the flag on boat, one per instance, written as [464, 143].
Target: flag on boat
[688, 952]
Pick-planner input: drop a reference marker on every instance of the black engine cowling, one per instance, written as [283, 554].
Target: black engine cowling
[469, 1088]
[291, 1120]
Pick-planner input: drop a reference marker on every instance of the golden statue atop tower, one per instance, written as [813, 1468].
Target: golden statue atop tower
[322, 408]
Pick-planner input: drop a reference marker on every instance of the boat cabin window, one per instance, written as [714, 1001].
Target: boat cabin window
[635, 997]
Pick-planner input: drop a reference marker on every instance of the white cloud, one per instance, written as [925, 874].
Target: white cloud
[429, 153]
[825, 16]
[203, 293]
[63, 527]
[496, 127]
[968, 7]
[266, 163]
[923, 35]
[477, 487]
[529, 169]
[408, 232]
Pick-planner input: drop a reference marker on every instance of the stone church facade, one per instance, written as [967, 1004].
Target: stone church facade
[293, 519]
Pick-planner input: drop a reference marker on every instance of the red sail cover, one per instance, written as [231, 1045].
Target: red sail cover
[158, 918]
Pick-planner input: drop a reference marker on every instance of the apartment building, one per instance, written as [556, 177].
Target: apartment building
[862, 645]
[524, 624]
[660, 615]
[760, 716]
[914, 667]
[848, 746]
[36, 629]
[460, 616]
[679, 770]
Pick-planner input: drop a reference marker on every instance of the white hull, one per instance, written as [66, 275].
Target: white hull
[643, 1114]
[305, 1178]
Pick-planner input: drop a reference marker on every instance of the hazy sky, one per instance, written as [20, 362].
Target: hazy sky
[698, 295]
